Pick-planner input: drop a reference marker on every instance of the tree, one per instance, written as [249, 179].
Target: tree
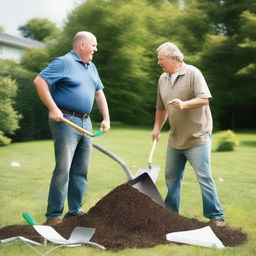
[248, 42]
[127, 42]
[8, 116]
[35, 60]
[224, 15]
[38, 29]
[1, 29]
[123, 60]
[228, 60]
[128, 33]
[33, 115]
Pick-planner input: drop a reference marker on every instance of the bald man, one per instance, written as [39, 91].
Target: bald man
[68, 87]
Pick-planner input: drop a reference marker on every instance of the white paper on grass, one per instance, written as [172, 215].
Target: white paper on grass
[15, 164]
[19, 238]
[202, 237]
[79, 235]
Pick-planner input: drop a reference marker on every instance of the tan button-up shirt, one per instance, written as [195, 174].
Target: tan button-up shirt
[188, 126]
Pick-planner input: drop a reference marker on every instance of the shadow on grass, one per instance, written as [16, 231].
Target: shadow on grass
[248, 143]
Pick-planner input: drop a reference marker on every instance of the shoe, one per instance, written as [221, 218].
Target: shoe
[218, 222]
[68, 215]
[53, 221]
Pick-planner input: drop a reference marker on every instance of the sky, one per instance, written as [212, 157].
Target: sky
[14, 13]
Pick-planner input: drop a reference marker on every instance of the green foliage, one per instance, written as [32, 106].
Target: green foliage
[248, 44]
[38, 29]
[227, 141]
[127, 40]
[222, 45]
[122, 60]
[248, 25]
[224, 16]
[228, 62]
[35, 59]
[190, 36]
[1, 29]
[4, 140]
[33, 115]
[8, 116]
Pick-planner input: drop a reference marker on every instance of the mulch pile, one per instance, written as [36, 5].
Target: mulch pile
[126, 218]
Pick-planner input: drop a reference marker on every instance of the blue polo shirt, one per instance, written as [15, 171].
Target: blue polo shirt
[72, 83]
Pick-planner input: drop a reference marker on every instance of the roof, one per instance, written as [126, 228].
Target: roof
[19, 42]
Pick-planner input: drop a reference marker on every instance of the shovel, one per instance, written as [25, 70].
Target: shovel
[142, 181]
[145, 185]
[98, 133]
[103, 150]
[152, 171]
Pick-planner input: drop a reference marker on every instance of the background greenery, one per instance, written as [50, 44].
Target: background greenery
[216, 36]
[25, 188]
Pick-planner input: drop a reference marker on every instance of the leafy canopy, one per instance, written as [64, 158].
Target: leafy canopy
[38, 29]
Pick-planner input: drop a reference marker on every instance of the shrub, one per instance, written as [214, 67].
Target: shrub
[4, 140]
[227, 141]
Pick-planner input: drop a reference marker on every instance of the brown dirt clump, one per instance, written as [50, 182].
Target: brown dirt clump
[126, 218]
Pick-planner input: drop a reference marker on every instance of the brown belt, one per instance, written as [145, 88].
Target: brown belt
[64, 111]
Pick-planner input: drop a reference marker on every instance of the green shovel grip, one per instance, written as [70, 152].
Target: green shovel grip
[28, 218]
[98, 133]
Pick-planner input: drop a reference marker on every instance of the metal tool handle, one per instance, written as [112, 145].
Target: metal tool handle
[117, 159]
[103, 150]
[151, 153]
[63, 119]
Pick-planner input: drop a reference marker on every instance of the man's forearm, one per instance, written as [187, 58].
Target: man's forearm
[160, 119]
[102, 105]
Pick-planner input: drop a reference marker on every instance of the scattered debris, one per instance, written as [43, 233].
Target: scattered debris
[15, 164]
[220, 179]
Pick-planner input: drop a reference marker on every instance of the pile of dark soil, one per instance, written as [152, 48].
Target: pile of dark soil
[126, 218]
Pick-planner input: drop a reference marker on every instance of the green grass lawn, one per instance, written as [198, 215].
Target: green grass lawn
[25, 188]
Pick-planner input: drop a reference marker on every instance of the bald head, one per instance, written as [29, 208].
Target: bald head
[84, 45]
[82, 36]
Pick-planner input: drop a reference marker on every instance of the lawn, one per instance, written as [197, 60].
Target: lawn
[25, 188]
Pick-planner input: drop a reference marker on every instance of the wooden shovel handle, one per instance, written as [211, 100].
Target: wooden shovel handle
[151, 153]
[63, 119]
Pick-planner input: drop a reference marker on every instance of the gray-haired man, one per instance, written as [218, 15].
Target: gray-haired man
[183, 98]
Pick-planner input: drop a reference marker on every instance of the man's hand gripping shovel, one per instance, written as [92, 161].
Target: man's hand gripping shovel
[152, 171]
[98, 133]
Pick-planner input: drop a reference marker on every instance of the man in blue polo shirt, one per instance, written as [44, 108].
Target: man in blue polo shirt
[68, 87]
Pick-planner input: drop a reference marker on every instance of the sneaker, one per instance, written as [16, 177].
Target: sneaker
[67, 215]
[218, 222]
[53, 221]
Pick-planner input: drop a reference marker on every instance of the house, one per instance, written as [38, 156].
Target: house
[12, 47]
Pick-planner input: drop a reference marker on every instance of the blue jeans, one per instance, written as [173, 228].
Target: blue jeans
[69, 178]
[199, 158]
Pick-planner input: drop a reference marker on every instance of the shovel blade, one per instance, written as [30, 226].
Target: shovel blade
[152, 172]
[146, 186]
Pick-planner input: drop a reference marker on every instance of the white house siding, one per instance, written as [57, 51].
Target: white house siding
[12, 47]
[11, 53]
